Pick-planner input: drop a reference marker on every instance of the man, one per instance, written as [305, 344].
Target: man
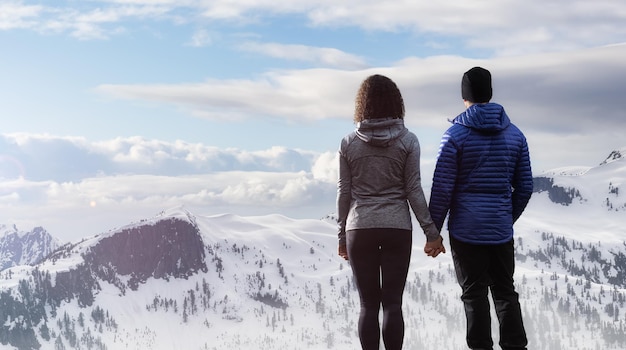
[483, 180]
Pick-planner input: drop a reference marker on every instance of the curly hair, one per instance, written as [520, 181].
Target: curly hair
[378, 97]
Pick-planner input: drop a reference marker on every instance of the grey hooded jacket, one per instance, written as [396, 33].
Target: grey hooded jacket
[379, 177]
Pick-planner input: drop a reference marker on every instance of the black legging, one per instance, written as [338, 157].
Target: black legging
[380, 255]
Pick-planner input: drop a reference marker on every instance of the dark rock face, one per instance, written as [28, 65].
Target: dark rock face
[615, 155]
[557, 194]
[168, 248]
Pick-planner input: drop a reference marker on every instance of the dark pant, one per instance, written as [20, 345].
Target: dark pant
[380, 255]
[478, 268]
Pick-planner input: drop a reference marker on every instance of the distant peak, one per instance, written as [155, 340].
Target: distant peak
[7, 230]
[179, 212]
[615, 155]
[175, 211]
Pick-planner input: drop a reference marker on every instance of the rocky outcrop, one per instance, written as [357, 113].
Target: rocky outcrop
[557, 194]
[168, 248]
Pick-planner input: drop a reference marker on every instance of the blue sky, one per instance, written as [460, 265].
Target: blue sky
[52, 76]
[114, 110]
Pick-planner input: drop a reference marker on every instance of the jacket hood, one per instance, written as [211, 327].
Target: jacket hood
[380, 132]
[489, 117]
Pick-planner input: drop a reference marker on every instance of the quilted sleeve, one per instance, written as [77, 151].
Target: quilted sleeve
[522, 182]
[444, 180]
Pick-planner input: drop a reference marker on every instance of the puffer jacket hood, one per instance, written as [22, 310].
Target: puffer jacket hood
[380, 132]
[489, 117]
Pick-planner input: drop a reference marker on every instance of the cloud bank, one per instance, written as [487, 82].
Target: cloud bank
[549, 88]
[52, 181]
[62, 159]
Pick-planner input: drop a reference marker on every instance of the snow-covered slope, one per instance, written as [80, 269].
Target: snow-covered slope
[181, 280]
[589, 206]
[598, 185]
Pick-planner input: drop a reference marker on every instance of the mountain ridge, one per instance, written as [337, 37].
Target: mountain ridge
[570, 185]
[179, 280]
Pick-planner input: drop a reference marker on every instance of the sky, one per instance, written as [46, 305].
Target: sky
[113, 111]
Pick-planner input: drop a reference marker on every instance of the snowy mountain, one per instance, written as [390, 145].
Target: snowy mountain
[24, 247]
[180, 280]
[587, 184]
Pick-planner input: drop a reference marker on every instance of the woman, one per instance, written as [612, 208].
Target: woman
[379, 177]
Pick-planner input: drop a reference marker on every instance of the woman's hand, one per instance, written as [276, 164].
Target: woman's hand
[435, 248]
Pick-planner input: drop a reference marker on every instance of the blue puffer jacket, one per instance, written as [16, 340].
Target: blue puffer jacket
[483, 177]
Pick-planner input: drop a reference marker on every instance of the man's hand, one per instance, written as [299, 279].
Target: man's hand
[343, 251]
[435, 248]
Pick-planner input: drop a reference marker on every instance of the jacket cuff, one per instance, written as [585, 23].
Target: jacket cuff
[432, 234]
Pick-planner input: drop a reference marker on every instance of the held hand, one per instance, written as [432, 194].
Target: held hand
[343, 251]
[435, 248]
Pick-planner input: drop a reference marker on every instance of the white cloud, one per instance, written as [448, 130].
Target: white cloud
[326, 168]
[320, 56]
[565, 86]
[87, 23]
[285, 94]
[541, 26]
[16, 15]
[202, 38]
[506, 27]
[70, 159]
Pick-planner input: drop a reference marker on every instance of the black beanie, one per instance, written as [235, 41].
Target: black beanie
[476, 85]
